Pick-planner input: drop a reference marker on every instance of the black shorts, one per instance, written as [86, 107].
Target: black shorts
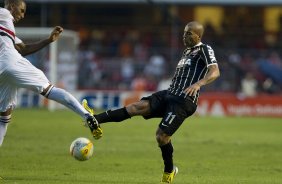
[172, 109]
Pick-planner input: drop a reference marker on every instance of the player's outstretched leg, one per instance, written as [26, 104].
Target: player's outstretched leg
[91, 121]
[168, 177]
[63, 97]
[3, 129]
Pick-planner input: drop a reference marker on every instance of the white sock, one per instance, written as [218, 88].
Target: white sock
[63, 97]
[4, 120]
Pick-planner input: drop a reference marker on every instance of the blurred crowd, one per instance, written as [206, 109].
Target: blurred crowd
[123, 48]
[249, 59]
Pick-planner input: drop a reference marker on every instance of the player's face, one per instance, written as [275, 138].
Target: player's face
[190, 38]
[18, 11]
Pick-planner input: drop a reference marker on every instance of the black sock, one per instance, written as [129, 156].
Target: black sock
[113, 116]
[167, 151]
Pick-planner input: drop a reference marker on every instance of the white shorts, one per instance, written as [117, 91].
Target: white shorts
[19, 73]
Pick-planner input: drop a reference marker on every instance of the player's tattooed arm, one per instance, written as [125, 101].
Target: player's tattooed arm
[26, 49]
[212, 74]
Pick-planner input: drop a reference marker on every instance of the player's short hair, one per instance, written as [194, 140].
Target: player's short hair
[12, 2]
[198, 28]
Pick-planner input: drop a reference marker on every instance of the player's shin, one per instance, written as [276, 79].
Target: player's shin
[65, 98]
[167, 151]
[117, 115]
[4, 120]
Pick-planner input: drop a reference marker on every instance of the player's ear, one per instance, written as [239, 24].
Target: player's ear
[7, 7]
[10, 7]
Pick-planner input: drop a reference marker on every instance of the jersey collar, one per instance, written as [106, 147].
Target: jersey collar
[200, 43]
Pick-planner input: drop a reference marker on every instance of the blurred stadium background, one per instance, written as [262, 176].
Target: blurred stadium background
[115, 51]
[128, 48]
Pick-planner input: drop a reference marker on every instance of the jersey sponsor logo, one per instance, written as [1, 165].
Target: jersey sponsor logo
[184, 61]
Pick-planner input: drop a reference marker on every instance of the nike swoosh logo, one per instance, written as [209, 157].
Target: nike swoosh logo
[164, 125]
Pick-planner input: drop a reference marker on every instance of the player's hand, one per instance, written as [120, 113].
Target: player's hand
[55, 34]
[192, 90]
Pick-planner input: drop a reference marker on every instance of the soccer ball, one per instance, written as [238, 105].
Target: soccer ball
[81, 149]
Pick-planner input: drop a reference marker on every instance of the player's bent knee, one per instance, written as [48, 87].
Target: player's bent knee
[162, 139]
[47, 90]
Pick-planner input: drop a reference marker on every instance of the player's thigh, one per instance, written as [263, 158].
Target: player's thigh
[8, 95]
[24, 75]
[176, 113]
[139, 108]
[157, 102]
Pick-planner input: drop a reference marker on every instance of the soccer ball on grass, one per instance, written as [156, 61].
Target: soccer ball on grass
[81, 149]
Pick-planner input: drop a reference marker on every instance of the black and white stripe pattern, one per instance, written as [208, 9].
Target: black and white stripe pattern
[48, 92]
[5, 119]
[191, 68]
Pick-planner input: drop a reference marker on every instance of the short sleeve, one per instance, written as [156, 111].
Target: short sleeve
[4, 13]
[208, 55]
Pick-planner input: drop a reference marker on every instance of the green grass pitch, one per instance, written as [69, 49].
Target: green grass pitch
[207, 151]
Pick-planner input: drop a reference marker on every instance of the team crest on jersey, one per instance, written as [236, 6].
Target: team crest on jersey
[187, 52]
[195, 51]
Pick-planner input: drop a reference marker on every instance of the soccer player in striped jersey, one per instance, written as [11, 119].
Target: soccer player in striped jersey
[197, 67]
[17, 72]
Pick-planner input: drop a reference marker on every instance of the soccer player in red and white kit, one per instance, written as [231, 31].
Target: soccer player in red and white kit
[17, 72]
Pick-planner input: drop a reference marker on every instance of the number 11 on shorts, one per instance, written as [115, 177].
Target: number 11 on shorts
[170, 118]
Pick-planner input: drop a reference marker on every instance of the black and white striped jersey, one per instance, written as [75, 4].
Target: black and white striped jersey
[191, 68]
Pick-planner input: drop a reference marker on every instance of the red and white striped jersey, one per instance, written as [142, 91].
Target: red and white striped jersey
[7, 30]
[7, 38]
